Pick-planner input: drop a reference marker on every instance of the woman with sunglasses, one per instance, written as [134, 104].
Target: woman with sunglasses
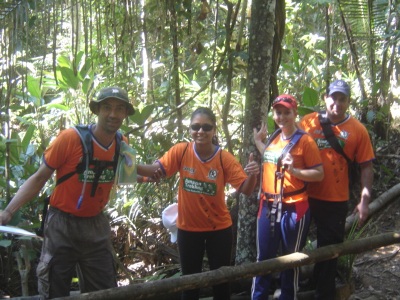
[204, 222]
[284, 217]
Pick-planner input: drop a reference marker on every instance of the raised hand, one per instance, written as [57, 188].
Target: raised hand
[252, 168]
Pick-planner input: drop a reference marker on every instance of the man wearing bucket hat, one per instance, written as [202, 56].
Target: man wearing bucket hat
[76, 233]
[329, 198]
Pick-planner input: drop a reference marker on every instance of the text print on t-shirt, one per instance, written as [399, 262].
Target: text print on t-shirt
[200, 187]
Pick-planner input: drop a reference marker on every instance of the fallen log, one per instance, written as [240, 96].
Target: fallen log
[376, 205]
[156, 289]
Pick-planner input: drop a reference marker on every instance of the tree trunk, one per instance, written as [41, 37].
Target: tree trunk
[160, 288]
[256, 108]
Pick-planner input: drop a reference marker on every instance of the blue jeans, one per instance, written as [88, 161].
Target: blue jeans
[290, 236]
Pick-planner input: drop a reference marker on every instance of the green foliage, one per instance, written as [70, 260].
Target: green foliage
[5, 243]
[52, 70]
[346, 262]
[141, 116]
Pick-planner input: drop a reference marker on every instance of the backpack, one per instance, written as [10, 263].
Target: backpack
[87, 159]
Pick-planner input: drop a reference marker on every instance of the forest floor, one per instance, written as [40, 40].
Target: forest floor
[376, 273]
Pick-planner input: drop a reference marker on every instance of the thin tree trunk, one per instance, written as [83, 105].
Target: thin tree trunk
[376, 205]
[175, 69]
[257, 99]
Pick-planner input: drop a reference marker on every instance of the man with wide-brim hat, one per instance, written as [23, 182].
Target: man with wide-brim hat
[115, 93]
[76, 233]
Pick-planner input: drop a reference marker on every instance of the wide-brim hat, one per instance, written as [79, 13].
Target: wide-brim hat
[112, 93]
[169, 216]
[339, 86]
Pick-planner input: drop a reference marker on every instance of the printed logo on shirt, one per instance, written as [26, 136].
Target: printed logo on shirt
[106, 176]
[199, 187]
[212, 174]
[271, 156]
[322, 143]
[190, 170]
[344, 135]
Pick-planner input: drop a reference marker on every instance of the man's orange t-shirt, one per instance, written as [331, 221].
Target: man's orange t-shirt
[201, 195]
[355, 141]
[63, 155]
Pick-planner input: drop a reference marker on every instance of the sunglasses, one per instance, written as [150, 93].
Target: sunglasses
[205, 127]
[283, 99]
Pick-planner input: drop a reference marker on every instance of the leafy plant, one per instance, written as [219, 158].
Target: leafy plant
[346, 262]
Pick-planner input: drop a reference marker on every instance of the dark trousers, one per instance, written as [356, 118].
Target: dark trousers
[74, 244]
[192, 247]
[330, 219]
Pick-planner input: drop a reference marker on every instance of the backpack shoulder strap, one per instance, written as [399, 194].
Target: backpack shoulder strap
[118, 139]
[272, 137]
[330, 136]
[269, 141]
[86, 141]
[295, 138]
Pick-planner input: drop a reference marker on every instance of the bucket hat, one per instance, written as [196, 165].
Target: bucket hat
[115, 93]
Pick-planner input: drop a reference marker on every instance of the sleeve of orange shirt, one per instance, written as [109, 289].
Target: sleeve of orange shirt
[365, 151]
[65, 149]
[171, 160]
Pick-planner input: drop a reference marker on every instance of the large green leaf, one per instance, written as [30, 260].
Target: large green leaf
[302, 111]
[310, 97]
[140, 117]
[56, 106]
[86, 70]
[33, 86]
[69, 77]
[270, 123]
[64, 61]
[14, 149]
[28, 137]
